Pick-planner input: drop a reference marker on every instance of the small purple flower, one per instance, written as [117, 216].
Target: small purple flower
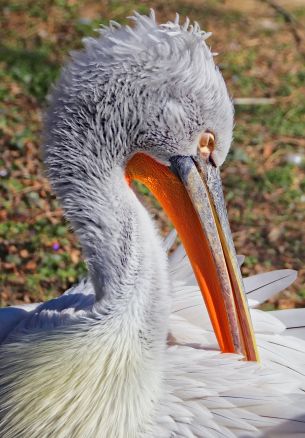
[56, 246]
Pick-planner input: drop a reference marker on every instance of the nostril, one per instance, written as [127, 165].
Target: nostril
[211, 160]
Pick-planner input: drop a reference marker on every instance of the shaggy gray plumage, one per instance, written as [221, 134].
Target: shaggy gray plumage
[153, 88]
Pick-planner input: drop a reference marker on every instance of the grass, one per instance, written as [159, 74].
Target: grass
[264, 186]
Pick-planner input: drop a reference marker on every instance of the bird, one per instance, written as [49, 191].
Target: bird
[149, 344]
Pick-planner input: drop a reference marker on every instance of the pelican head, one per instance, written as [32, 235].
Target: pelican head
[148, 103]
[176, 90]
[158, 85]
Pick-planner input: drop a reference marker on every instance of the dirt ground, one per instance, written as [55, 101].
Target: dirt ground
[261, 46]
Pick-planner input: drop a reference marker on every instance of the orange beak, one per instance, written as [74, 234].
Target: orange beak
[190, 193]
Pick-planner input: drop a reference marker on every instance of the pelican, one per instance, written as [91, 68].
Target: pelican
[149, 346]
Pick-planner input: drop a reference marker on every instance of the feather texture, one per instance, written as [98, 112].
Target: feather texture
[204, 393]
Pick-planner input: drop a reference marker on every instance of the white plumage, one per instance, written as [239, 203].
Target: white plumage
[246, 399]
[203, 393]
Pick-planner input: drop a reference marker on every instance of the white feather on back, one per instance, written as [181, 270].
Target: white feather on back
[246, 399]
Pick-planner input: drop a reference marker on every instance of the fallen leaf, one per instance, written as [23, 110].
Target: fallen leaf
[30, 266]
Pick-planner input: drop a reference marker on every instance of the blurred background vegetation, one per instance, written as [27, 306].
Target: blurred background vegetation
[261, 54]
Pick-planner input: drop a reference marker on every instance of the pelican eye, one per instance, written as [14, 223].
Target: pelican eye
[206, 146]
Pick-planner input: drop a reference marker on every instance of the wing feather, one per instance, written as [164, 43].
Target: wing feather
[261, 287]
[294, 321]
